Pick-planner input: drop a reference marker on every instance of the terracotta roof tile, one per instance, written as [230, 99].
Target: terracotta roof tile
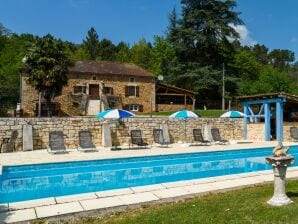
[109, 67]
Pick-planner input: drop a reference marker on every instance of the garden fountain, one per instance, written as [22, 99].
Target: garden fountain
[280, 160]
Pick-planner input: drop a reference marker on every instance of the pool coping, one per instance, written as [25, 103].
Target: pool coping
[67, 207]
[42, 156]
[80, 205]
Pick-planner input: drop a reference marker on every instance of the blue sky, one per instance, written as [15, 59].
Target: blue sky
[273, 23]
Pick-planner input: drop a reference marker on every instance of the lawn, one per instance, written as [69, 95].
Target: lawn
[202, 113]
[240, 206]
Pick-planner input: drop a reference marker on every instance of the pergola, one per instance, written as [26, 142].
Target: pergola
[174, 93]
[268, 104]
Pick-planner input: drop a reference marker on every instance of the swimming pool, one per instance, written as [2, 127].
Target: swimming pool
[26, 182]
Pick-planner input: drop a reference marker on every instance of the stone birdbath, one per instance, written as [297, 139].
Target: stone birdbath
[280, 162]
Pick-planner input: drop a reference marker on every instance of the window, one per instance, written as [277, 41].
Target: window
[94, 77]
[79, 89]
[133, 107]
[131, 91]
[132, 79]
[108, 90]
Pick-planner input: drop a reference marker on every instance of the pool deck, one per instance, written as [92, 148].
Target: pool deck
[114, 200]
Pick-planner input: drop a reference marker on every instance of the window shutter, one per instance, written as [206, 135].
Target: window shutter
[126, 107]
[141, 108]
[126, 91]
[137, 91]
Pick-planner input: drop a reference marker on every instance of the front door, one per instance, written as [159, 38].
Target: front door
[94, 91]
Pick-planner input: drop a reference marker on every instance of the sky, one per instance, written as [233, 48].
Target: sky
[273, 23]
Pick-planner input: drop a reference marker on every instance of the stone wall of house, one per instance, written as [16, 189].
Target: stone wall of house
[229, 128]
[172, 107]
[146, 92]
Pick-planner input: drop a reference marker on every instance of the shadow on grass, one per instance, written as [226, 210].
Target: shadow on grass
[291, 194]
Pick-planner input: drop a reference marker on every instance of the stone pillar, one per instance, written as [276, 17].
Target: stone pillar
[106, 135]
[27, 138]
[165, 130]
[279, 165]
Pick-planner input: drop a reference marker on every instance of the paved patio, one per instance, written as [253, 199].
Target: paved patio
[111, 200]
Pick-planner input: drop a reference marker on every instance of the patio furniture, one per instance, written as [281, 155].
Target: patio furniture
[85, 141]
[216, 136]
[56, 142]
[198, 137]
[136, 139]
[294, 133]
[158, 138]
[8, 144]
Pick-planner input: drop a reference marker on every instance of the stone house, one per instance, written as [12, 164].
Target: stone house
[94, 86]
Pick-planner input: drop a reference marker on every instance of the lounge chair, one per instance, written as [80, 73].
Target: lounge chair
[136, 138]
[8, 144]
[85, 141]
[216, 136]
[294, 133]
[56, 142]
[158, 138]
[198, 137]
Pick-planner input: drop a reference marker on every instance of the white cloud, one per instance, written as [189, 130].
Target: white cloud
[244, 34]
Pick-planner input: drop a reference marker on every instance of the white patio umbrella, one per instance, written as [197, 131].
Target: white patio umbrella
[184, 114]
[233, 114]
[115, 114]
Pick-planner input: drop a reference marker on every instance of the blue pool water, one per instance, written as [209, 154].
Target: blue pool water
[28, 182]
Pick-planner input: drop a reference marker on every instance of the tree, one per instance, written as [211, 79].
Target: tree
[261, 53]
[92, 44]
[141, 54]
[162, 53]
[270, 80]
[245, 65]
[107, 50]
[47, 64]
[202, 34]
[4, 34]
[10, 62]
[281, 58]
[123, 52]
[172, 33]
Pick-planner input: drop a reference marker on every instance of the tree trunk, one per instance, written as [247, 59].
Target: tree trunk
[39, 104]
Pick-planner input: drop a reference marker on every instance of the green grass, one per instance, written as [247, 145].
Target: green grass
[240, 206]
[202, 113]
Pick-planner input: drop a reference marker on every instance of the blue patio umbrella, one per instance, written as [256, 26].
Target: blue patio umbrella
[115, 114]
[184, 114]
[233, 114]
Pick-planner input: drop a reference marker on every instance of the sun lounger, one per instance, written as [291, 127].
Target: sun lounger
[198, 137]
[136, 138]
[85, 141]
[158, 138]
[56, 142]
[216, 136]
[8, 144]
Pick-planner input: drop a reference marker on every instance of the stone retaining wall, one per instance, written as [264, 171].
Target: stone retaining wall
[256, 131]
[229, 128]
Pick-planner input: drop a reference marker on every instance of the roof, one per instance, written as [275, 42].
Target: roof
[109, 67]
[175, 88]
[288, 97]
[291, 100]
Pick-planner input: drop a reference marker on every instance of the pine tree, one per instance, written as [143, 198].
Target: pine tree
[92, 44]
